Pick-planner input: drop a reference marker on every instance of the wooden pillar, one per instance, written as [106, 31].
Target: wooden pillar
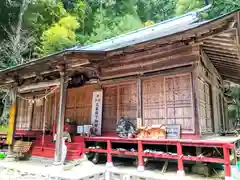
[109, 154]
[227, 163]
[180, 171]
[139, 104]
[140, 156]
[61, 116]
[12, 119]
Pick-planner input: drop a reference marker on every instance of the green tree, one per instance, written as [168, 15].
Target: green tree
[156, 10]
[41, 15]
[221, 7]
[184, 6]
[60, 36]
[111, 18]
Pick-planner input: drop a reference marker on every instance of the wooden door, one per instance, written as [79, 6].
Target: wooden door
[179, 107]
[205, 107]
[79, 104]
[168, 100]
[110, 108]
[119, 100]
[24, 114]
[154, 111]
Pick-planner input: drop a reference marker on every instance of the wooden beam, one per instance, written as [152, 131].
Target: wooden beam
[41, 85]
[137, 70]
[218, 40]
[224, 59]
[222, 51]
[208, 64]
[168, 58]
[218, 54]
[220, 47]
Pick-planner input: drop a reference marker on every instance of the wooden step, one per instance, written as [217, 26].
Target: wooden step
[50, 153]
[69, 146]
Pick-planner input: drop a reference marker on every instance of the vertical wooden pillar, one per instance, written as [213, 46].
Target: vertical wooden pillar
[12, 120]
[109, 154]
[44, 119]
[139, 104]
[140, 156]
[61, 116]
[180, 171]
[196, 119]
[227, 163]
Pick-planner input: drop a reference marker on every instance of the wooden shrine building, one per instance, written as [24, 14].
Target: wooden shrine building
[168, 73]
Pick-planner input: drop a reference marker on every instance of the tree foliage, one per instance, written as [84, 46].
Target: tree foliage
[61, 35]
[219, 7]
[184, 6]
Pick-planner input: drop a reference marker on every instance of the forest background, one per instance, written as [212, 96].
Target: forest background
[31, 29]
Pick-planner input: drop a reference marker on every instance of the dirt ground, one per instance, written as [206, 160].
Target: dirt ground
[153, 169]
[43, 170]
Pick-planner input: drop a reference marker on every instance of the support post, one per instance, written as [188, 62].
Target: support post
[140, 156]
[12, 120]
[61, 116]
[227, 163]
[180, 171]
[109, 154]
[139, 104]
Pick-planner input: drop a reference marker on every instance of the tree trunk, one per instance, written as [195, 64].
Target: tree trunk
[23, 8]
[5, 114]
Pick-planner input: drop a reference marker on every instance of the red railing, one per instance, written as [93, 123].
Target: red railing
[179, 156]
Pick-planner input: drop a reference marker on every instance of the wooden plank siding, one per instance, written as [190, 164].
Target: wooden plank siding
[209, 97]
[168, 100]
[119, 100]
[30, 114]
[151, 61]
[205, 107]
[78, 104]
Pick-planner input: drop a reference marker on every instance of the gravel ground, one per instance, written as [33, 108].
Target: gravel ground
[41, 170]
[35, 170]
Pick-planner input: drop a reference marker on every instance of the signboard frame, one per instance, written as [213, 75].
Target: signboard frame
[176, 134]
[96, 117]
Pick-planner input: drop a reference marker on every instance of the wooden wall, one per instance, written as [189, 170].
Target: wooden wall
[30, 114]
[119, 100]
[79, 104]
[209, 97]
[168, 100]
[165, 100]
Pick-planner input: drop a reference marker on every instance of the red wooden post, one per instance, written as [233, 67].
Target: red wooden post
[180, 160]
[140, 156]
[109, 154]
[227, 163]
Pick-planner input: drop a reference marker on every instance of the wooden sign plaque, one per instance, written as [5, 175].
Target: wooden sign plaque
[173, 131]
